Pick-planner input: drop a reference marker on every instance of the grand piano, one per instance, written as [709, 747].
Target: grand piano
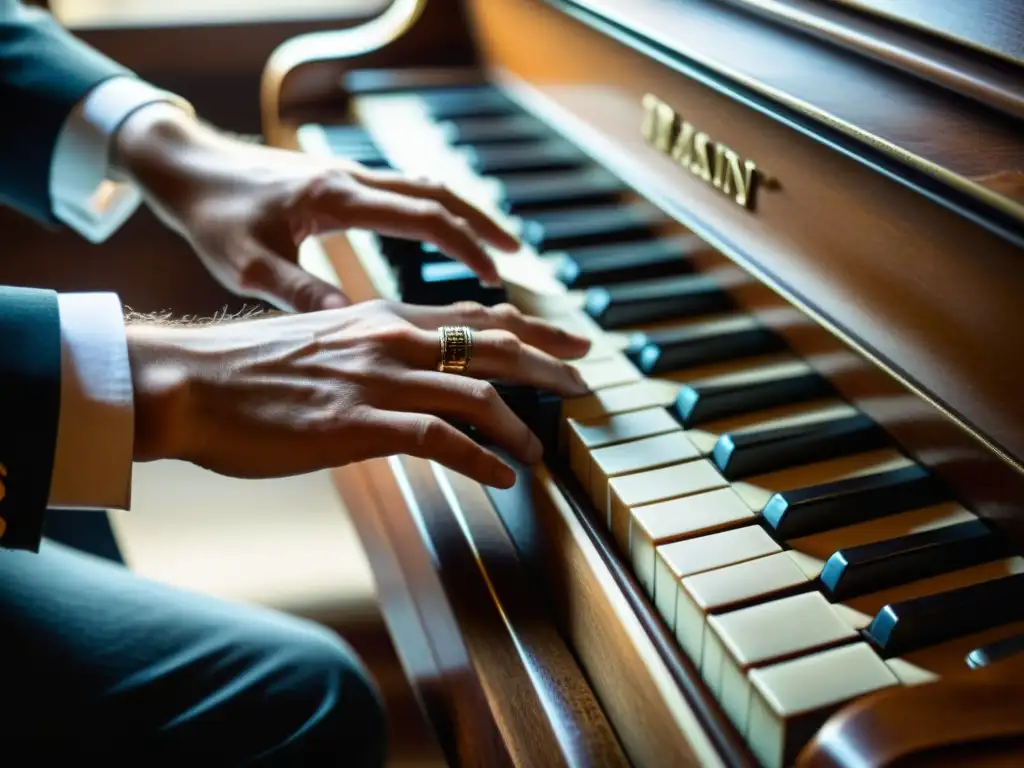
[786, 527]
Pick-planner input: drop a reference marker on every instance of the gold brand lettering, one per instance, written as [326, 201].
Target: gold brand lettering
[712, 162]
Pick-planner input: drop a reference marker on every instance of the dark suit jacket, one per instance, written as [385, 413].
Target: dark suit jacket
[44, 72]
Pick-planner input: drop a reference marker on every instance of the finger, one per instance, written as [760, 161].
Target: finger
[288, 286]
[397, 215]
[531, 330]
[485, 226]
[430, 437]
[470, 401]
[501, 356]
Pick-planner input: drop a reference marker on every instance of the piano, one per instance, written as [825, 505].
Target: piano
[785, 528]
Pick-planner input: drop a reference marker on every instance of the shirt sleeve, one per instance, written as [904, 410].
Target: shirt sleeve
[92, 467]
[85, 195]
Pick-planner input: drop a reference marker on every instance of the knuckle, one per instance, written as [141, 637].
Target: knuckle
[432, 186]
[506, 343]
[396, 333]
[433, 212]
[482, 393]
[472, 312]
[429, 430]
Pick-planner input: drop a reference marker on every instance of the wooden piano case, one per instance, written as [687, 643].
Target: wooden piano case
[884, 242]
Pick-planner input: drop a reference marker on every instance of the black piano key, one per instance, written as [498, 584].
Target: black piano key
[623, 262]
[871, 567]
[703, 344]
[401, 252]
[480, 131]
[525, 157]
[650, 301]
[581, 186]
[700, 403]
[741, 454]
[804, 511]
[472, 101]
[573, 227]
[920, 622]
[997, 651]
[445, 282]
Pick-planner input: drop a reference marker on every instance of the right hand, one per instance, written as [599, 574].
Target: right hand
[293, 394]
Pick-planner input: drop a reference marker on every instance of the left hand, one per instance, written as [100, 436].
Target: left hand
[245, 208]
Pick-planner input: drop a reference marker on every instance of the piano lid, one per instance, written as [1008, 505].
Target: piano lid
[995, 27]
[943, 119]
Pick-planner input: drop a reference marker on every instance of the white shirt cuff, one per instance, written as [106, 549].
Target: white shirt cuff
[84, 195]
[92, 466]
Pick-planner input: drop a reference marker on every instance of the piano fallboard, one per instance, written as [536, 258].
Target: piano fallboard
[878, 257]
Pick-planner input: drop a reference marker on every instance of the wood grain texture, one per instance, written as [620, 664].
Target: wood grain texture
[911, 310]
[970, 720]
[990, 81]
[480, 647]
[992, 25]
[929, 296]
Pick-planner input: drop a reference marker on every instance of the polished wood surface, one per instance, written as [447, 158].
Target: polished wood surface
[971, 720]
[944, 61]
[933, 298]
[857, 252]
[482, 652]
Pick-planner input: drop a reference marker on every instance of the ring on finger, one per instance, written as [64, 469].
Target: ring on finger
[456, 343]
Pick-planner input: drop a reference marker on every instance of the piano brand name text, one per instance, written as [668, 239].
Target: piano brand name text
[712, 162]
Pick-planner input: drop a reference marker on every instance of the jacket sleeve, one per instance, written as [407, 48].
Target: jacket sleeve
[44, 73]
[30, 366]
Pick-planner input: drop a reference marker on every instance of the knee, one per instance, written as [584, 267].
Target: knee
[343, 721]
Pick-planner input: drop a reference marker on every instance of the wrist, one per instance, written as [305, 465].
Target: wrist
[160, 149]
[160, 386]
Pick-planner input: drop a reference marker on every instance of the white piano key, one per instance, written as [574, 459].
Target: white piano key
[652, 525]
[726, 589]
[741, 640]
[680, 559]
[792, 699]
[636, 456]
[607, 372]
[655, 485]
[634, 396]
[586, 436]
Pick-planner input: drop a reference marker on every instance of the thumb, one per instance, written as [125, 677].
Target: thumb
[291, 288]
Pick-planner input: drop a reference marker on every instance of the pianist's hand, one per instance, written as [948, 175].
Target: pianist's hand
[245, 208]
[295, 393]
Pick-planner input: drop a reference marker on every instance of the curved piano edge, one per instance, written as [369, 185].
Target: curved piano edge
[626, 669]
[493, 676]
[973, 719]
[307, 69]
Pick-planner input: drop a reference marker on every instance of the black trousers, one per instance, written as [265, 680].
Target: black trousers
[96, 662]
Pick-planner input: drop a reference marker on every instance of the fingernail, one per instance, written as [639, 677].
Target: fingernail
[334, 301]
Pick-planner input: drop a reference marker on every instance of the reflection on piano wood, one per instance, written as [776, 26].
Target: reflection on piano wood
[796, 492]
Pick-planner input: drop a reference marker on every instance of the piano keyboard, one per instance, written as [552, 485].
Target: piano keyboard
[800, 559]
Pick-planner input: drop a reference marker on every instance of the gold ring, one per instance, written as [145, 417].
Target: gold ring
[456, 348]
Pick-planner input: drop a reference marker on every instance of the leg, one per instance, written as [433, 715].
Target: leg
[97, 662]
